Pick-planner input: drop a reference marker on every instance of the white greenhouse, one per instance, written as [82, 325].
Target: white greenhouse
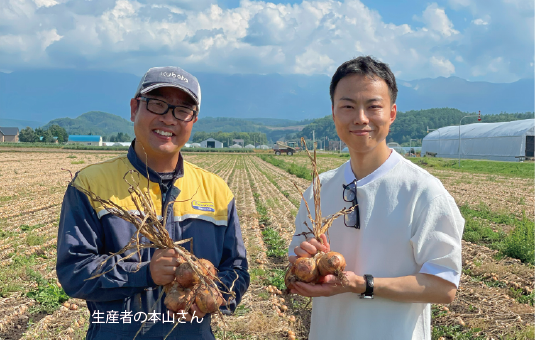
[503, 141]
[249, 146]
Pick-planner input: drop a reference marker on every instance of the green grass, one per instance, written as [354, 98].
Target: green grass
[455, 332]
[48, 294]
[27, 228]
[494, 168]
[275, 244]
[518, 294]
[71, 157]
[519, 243]
[290, 167]
[33, 239]
[13, 275]
[77, 162]
[7, 234]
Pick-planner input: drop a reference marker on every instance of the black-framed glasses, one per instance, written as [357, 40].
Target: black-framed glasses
[160, 107]
[350, 195]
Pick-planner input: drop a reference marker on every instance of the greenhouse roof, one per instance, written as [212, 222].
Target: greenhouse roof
[485, 130]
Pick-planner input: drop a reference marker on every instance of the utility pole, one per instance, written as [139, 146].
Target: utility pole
[313, 138]
[340, 150]
[460, 136]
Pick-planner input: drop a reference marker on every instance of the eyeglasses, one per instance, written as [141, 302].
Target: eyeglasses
[160, 107]
[350, 195]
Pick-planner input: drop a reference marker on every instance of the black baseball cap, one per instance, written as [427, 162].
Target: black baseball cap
[170, 76]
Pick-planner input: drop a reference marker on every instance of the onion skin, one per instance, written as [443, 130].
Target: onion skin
[208, 300]
[289, 278]
[209, 268]
[331, 263]
[185, 276]
[177, 298]
[305, 270]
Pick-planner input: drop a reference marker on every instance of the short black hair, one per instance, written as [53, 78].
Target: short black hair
[367, 66]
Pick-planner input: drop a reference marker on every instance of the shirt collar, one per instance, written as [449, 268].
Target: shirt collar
[392, 160]
[153, 176]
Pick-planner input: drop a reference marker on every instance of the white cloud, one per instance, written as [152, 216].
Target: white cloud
[312, 62]
[436, 19]
[442, 66]
[263, 37]
[45, 3]
[480, 22]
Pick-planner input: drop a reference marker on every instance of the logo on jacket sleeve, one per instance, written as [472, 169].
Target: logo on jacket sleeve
[203, 206]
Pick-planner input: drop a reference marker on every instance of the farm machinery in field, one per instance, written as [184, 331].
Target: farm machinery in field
[289, 148]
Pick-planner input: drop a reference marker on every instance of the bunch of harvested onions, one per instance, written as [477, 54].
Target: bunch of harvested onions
[187, 288]
[311, 270]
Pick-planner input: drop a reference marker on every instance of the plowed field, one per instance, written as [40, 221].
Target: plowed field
[495, 300]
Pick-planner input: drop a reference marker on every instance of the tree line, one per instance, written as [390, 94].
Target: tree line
[411, 124]
[57, 133]
[254, 138]
[49, 135]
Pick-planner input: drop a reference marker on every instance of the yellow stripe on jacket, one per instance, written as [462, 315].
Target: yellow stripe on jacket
[203, 195]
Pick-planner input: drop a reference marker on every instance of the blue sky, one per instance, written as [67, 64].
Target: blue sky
[478, 40]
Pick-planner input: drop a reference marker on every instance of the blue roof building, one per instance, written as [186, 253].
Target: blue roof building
[92, 140]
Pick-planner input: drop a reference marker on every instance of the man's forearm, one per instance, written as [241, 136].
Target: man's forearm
[415, 288]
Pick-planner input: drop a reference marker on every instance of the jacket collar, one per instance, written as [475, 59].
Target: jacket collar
[153, 176]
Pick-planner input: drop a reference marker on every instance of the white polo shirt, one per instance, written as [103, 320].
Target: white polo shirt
[409, 223]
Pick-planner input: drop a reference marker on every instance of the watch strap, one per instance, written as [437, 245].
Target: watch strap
[368, 293]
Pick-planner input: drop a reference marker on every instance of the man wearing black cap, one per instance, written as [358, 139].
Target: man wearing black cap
[164, 109]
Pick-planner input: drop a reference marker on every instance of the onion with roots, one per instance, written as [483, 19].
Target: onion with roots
[331, 263]
[184, 290]
[208, 300]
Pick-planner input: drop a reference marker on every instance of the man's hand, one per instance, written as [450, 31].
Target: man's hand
[163, 266]
[330, 285]
[310, 248]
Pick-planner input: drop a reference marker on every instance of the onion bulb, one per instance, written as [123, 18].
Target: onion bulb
[208, 300]
[305, 270]
[331, 263]
[177, 298]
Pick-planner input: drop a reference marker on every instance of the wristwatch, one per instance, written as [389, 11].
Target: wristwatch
[369, 287]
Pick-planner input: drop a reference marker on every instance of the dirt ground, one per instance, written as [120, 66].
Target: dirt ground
[491, 303]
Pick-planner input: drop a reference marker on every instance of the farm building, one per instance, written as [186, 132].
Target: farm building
[195, 145]
[9, 134]
[88, 140]
[241, 142]
[503, 141]
[211, 143]
[249, 146]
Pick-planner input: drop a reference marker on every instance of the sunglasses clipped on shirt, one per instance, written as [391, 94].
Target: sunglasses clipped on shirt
[350, 195]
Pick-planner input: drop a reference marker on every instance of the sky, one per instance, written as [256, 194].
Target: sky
[478, 40]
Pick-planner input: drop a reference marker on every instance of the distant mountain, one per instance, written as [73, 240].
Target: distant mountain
[106, 124]
[21, 124]
[455, 92]
[51, 94]
[95, 123]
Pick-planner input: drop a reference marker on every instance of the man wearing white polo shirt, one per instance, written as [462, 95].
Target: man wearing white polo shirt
[402, 244]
